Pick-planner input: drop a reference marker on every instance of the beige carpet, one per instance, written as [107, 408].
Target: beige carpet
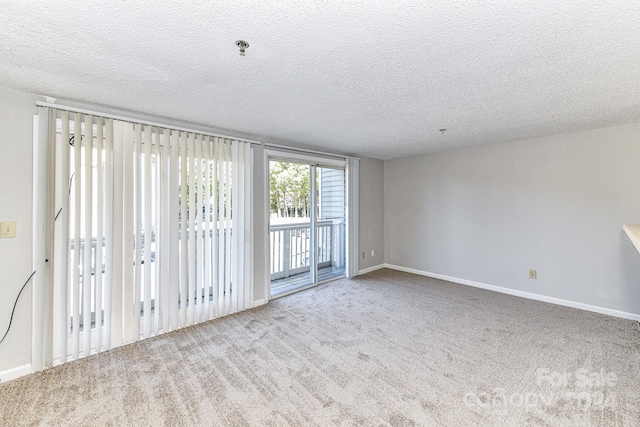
[388, 348]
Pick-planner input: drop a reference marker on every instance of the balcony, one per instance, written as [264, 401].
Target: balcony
[290, 252]
[290, 259]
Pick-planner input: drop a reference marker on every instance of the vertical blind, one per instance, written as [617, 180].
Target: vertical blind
[151, 234]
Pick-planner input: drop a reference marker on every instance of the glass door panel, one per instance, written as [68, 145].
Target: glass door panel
[307, 225]
[331, 223]
[290, 226]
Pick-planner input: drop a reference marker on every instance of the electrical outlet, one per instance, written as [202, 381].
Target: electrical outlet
[7, 230]
[533, 274]
[372, 252]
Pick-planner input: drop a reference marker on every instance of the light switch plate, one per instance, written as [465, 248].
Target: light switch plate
[7, 230]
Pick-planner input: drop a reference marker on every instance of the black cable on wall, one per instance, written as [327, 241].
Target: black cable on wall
[14, 306]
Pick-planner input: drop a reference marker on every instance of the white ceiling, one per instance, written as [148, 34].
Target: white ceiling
[374, 78]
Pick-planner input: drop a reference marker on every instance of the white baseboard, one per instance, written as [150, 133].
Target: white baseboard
[523, 294]
[370, 269]
[259, 302]
[12, 374]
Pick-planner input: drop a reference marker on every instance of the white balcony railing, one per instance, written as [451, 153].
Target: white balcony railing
[290, 255]
[290, 247]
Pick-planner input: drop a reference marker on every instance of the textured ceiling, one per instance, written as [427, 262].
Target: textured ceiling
[373, 78]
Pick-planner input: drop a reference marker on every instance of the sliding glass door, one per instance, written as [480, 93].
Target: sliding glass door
[150, 232]
[307, 224]
[331, 222]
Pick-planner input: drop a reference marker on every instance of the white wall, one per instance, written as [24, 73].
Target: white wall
[371, 212]
[557, 204]
[16, 147]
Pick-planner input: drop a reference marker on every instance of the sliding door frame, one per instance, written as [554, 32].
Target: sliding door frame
[314, 160]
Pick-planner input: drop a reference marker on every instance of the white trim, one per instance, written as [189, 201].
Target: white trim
[140, 121]
[259, 302]
[633, 231]
[267, 242]
[352, 175]
[370, 269]
[295, 157]
[304, 150]
[522, 294]
[13, 373]
[313, 225]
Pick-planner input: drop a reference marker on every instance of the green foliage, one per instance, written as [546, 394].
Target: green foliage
[290, 189]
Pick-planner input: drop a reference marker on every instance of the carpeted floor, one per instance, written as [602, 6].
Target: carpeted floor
[387, 348]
